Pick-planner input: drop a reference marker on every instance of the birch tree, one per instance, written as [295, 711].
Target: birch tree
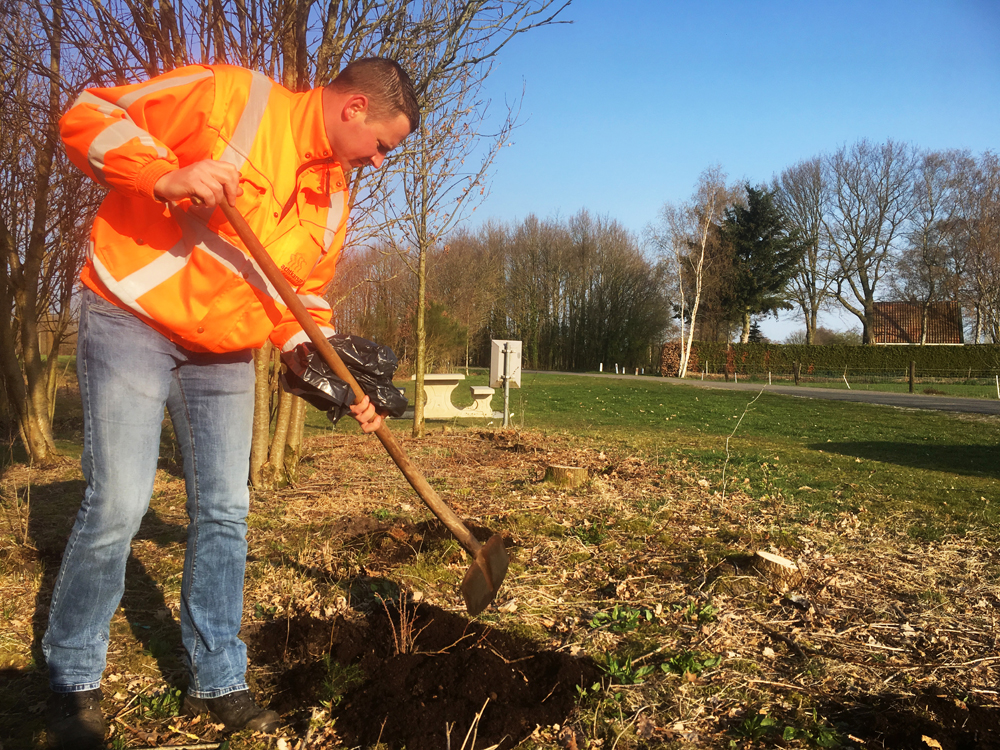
[682, 234]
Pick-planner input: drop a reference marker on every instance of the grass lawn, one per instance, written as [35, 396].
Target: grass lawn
[633, 616]
[935, 471]
[968, 388]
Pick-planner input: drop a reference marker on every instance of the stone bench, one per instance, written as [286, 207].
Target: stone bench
[482, 401]
[438, 388]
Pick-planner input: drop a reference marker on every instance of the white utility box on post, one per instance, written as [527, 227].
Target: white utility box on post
[505, 370]
[497, 363]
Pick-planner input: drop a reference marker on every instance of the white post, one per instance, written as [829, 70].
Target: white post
[636, 370]
[998, 386]
[769, 377]
[736, 376]
[601, 368]
[616, 368]
[506, 384]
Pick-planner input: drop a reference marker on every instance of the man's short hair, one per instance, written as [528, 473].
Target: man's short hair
[385, 83]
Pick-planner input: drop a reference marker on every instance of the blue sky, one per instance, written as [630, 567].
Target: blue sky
[626, 106]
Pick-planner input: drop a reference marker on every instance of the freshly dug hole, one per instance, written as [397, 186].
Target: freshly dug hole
[405, 699]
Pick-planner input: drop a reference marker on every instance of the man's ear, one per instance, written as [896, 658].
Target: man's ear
[355, 106]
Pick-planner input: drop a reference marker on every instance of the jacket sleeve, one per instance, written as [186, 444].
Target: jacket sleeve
[127, 137]
[288, 333]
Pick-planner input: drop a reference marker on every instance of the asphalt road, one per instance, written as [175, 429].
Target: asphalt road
[903, 400]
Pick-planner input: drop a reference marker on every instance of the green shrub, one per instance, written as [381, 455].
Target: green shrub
[948, 361]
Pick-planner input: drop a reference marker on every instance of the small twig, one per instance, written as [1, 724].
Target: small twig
[780, 684]
[182, 732]
[732, 434]
[627, 726]
[202, 746]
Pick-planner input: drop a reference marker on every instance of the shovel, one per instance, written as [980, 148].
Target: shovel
[484, 576]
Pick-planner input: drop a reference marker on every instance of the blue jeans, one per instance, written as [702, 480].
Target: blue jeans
[127, 373]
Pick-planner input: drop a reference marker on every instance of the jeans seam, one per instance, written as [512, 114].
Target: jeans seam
[78, 688]
[195, 498]
[218, 693]
[88, 441]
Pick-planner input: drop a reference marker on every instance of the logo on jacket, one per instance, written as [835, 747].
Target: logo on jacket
[295, 270]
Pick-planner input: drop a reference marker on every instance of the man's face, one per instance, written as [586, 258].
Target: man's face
[361, 141]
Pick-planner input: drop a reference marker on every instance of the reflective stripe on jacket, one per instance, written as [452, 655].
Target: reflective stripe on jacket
[179, 267]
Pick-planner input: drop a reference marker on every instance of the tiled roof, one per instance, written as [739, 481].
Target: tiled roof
[899, 323]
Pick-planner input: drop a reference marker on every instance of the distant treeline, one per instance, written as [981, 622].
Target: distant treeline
[576, 291]
[948, 361]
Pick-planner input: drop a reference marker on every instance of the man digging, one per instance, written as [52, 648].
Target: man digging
[171, 309]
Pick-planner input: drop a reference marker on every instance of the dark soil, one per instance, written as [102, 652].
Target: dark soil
[407, 699]
[902, 723]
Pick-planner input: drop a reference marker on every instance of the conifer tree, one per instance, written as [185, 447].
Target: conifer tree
[765, 252]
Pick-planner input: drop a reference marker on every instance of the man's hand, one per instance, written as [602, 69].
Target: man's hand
[368, 418]
[206, 182]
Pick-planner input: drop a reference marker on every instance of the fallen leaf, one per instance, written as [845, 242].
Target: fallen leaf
[768, 652]
[645, 727]
[931, 742]
[567, 738]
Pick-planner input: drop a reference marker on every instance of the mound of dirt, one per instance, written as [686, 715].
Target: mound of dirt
[406, 697]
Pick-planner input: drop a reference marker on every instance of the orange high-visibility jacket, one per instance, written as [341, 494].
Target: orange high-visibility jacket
[179, 267]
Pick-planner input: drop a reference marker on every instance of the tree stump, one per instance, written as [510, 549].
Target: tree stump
[565, 476]
[780, 570]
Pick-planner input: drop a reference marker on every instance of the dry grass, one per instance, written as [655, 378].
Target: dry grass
[701, 650]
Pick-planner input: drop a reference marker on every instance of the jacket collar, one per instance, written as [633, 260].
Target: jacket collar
[309, 127]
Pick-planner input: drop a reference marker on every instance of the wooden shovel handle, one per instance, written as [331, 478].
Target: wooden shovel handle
[438, 506]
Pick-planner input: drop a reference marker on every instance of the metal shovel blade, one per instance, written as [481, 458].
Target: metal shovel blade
[483, 578]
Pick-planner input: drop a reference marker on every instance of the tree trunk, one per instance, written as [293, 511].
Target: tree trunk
[274, 474]
[293, 441]
[811, 323]
[261, 413]
[52, 375]
[745, 335]
[421, 335]
[421, 332]
[27, 384]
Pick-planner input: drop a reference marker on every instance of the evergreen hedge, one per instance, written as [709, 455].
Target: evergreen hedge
[946, 361]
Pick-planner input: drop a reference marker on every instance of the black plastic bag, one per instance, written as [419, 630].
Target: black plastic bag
[372, 365]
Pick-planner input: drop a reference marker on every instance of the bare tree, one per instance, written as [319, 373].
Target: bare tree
[928, 268]
[41, 247]
[800, 191]
[450, 57]
[467, 278]
[682, 235]
[975, 236]
[868, 206]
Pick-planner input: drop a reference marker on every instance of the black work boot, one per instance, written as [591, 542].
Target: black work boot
[235, 710]
[74, 721]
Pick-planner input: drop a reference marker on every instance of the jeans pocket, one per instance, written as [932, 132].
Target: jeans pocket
[100, 306]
